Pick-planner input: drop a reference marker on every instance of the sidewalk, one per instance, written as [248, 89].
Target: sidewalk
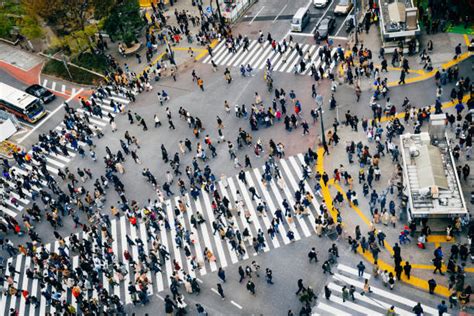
[441, 56]
[359, 215]
[180, 50]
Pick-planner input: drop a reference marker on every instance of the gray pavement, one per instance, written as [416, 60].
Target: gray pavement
[207, 105]
[19, 58]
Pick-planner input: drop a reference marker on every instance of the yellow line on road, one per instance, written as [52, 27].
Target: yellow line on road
[445, 105]
[466, 39]
[205, 52]
[415, 281]
[426, 75]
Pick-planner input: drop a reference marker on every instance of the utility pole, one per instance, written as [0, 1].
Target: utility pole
[219, 13]
[356, 26]
[323, 133]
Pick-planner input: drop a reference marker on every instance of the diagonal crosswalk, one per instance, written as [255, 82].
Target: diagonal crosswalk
[203, 236]
[11, 203]
[258, 54]
[375, 303]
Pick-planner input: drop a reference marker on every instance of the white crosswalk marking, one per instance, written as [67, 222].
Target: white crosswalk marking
[375, 303]
[257, 55]
[195, 237]
[54, 161]
[208, 58]
[240, 59]
[272, 206]
[271, 193]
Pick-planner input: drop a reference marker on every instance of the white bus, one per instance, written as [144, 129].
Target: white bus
[25, 106]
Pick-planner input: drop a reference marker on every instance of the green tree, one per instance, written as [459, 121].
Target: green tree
[124, 19]
[30, 27]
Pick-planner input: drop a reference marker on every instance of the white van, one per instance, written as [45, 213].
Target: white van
[300, 20]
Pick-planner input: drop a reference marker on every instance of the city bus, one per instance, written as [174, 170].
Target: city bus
[23, 105]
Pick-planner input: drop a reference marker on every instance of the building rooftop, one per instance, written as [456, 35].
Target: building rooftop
[430, 177]
[393, 18]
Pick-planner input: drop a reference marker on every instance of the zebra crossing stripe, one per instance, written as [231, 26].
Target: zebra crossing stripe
[243, 55]
[207, 240]
[355, 307]
[266, 221]
[371, 301]
[208, 57]
[352, 271]
[116, 255]
[53, 86]
[21, 310]
[229, 55]
[332, 310]
[45, 83]
[251, 53]
[123, 228]
[269, 201]
[220, 250]
[219, 53]
[235, 55]
[177, 250]
[195, 235]
[300, 219]
[267, 50]
[391, 296]
[242, 217]
[260, 49]
[4, 298]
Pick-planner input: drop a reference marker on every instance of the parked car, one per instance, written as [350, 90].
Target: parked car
[41, 92]
[320, 3]
[325, 26]
[343, 7]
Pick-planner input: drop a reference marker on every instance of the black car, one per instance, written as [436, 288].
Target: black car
[41, 92]
[325, 26]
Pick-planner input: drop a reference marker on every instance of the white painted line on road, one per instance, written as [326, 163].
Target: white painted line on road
[74, 94]
[319, 21]
[215, 291]
[41, 123]
[274, 20]
[53, 86]
[342, 38]
[160, 297]
[236, 305]
[45, 82]
[48, 117]
[300, 34]
[199, 280]
[256, 15]
[344, 22]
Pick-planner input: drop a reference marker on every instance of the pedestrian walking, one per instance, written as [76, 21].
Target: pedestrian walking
[432, 285]
[360, 269]
[300, 286]
[220, 290]
[312, 255]
[221, 274]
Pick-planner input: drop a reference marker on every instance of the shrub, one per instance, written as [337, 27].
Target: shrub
[57, 69]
